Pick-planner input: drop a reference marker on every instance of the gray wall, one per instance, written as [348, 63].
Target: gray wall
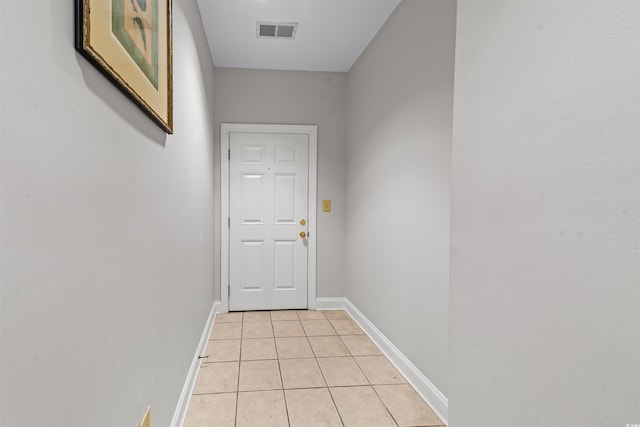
[400, 95]
[545, 295]
[296, 97]
[107, 239]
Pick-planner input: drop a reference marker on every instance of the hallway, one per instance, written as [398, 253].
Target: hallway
[299, 368]
[479, 161]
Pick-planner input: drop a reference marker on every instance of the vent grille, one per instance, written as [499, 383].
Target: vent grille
[268, 30]
[276, 30]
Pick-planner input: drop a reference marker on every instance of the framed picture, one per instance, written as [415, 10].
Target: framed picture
[130, 42]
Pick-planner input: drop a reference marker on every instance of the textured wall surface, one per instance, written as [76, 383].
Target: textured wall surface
[545, 268]
[400, 95]
[106, 228]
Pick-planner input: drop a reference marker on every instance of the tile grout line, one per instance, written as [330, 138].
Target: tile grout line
[362, 370]
[363, 373]
[385, 406]
[369, 385]
[322, 373]
[345, 345]
[315, 358]
[325, 382]
[284, 396]
[373, 386]
[235, 419]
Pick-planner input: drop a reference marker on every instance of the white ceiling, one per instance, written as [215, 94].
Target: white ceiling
[331, 34]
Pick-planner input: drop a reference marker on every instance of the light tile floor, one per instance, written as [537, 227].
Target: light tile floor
[299, 368]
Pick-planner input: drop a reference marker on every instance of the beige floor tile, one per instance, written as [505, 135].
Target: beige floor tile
[257, 330]
[257, 316]
[346, 327]
[406, 407]
[221, 377]
[222, 351]
[288, 328]
[261, 409]
[361, 407]
[311, 408]
[212, 410]
[293, 347]
[311, 315]
[232, 317]
[379, 370]
[259, 375]
[360, 345]
[336, 314]
[284, 315]
[318, 327]
[341, 371]
[301, 373]
[226, 331]
[258, 349]
[328, 346]
[260, 378]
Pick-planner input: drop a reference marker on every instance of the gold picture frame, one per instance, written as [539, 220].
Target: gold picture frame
[130, 42]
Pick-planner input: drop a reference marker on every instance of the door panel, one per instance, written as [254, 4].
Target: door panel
[285, 199]
[252, 189]
[252, 154]
[251, 264]
[285, 264]
[268, 199]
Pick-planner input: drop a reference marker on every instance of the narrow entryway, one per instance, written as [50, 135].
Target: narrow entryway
[299, 368]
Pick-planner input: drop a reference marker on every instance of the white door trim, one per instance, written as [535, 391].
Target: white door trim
[225, 130]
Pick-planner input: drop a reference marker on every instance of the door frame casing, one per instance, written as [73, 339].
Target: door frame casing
[225, 132]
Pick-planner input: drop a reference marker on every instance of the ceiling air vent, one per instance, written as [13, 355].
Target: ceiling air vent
[276, 30]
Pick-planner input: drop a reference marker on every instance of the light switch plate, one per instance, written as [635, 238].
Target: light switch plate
[326, 206]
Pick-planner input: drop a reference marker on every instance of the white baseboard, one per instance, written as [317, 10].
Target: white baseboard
[420, 383]
[185, 396]
[337, 303]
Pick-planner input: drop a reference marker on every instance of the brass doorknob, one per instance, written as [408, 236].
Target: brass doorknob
[303, 234]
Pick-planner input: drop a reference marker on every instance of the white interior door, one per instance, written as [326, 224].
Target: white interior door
[268, 220]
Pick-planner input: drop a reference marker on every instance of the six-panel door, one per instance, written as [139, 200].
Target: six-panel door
[268, 203]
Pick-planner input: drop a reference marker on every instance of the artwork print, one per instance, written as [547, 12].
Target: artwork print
[130, 42]
[135, 25]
